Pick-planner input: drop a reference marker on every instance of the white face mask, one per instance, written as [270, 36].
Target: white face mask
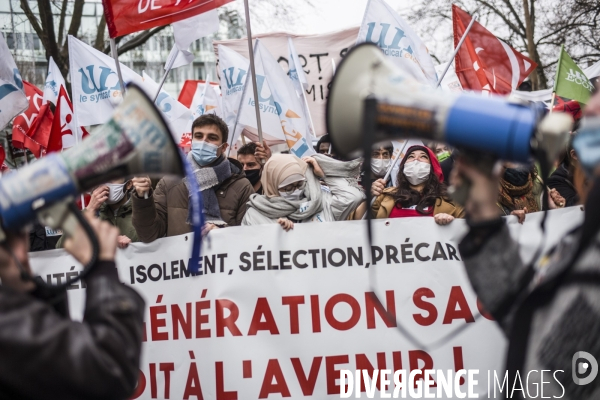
[379, 166]
[296, 195]
[115, 192]
[417, 172]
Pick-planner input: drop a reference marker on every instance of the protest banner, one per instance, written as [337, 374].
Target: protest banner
[54, 81]
[124, 16]
[315, 53]
[279, 314]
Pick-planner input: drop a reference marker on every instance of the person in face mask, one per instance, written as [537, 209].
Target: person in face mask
[165, 211]
[247, 156]
[381, 159]
[293, 192]
[420, 192]
[111, 202]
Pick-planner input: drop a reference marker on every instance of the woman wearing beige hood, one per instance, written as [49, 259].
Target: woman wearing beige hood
[293, 192]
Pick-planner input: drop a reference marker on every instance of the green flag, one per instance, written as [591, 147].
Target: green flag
[570, 80]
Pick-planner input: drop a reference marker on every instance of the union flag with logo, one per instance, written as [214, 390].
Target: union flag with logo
[485, 63]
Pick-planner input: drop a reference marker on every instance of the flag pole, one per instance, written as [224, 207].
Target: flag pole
[458, 46]
[562, 49]
[393, 165]
[115, 55]
[170, 63]
[253, 72]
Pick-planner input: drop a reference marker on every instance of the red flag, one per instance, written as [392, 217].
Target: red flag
[189, 90]
[125, 16]
[484, 62]
[31, 128]
[64, 130]
[562, 104]
[2, 156]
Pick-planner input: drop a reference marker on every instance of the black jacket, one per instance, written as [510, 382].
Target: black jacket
[48, 356]
[562, 181]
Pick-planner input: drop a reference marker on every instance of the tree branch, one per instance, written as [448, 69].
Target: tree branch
[61, 23]
[99, 42]
[508, 22]
[515, 14]
[76, 17]
[34, 22]
[136, 41]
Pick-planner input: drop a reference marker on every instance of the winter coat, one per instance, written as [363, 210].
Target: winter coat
[548, 313]
[384, 203]
[165, 211]
[46, 355]
[562, 181]
[122, 221]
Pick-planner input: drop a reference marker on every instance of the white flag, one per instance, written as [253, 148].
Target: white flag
[12, 95]
[300, 82]
[95, 83]
[54, 80]
[233, 68]
[189, 30]
[286, 103]
[176, 114]
[384, 27]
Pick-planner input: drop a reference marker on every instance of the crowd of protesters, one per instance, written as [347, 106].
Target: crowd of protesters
[261, 187]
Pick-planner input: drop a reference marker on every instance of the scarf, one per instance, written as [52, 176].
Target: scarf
[208, 178]
[311, 202]
[514, 197]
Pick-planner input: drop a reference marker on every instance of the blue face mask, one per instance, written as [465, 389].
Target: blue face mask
[204, 153]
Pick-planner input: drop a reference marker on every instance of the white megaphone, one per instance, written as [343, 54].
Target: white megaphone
[371, 96]
[136, 141]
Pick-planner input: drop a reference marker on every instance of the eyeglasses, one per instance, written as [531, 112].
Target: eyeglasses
[293, 186]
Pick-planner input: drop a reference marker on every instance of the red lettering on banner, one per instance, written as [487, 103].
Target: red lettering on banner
[388, 314]
[363, 363]
[166, 369]
[229, 321]
[414, 356]
[202, 319]
[457, 297]
[179, 321]
[354, 318]
[141, 386]
[315, 313]
[332, 374]
[458, 362]
[397, 360]
[222, 394]
[192, 385]
[153, 389]
[424, 305]
[293, 302]
[280, 386]
[307, 384]
[261, 310]
[156, 322]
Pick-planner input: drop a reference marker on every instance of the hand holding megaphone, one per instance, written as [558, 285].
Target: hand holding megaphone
[142, 186]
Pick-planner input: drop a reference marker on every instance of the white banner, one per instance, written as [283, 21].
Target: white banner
[279, 314]
[384, 27]
[315, 53]
[94, 83]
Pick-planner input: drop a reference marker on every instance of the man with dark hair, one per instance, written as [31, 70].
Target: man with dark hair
[250, 155]
[224, 188]
[324, 146]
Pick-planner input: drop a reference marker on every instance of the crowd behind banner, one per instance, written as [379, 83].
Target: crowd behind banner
[272, 183]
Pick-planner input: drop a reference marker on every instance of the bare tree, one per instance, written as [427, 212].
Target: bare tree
[535, 27]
